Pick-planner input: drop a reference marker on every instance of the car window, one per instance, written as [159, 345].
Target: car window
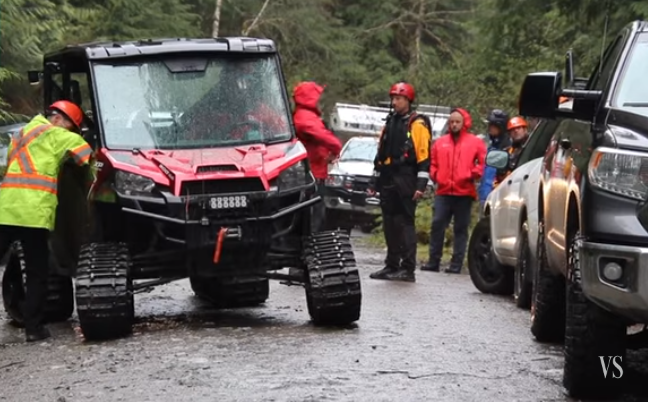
[538, 141]
[362, 151]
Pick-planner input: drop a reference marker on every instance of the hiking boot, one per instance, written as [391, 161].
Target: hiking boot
[452, 270]
[429, 267]
[37, 334]
[383, 273]
[402, 275]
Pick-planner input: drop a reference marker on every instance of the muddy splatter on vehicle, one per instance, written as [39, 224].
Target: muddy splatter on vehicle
[198, 174]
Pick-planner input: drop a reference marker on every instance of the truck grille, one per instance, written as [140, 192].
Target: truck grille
[361, 183]
[222, 186]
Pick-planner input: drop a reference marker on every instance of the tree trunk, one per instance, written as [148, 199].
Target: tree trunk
[256, 19]
[415, 53]
[217, 15]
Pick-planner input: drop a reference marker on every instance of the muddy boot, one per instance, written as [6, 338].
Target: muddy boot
[383, 273]
[402, 275]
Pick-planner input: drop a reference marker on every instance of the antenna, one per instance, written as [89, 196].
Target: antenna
[605, 30]
[569, 68]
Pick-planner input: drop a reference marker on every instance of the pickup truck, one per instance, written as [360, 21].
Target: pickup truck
[502, 247]
[591, 283]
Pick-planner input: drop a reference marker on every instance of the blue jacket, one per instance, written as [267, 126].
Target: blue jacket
[486, 184]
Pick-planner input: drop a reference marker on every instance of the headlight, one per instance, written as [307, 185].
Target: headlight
[130, 183]
[620, 172]
[335, 180]
[295, 176]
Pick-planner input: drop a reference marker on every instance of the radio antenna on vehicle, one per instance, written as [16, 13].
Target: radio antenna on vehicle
[605, 31]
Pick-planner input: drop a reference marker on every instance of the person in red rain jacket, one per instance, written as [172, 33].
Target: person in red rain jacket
[321, 143]
[457, 163]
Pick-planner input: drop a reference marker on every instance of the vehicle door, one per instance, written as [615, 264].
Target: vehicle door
[511, 195]
[573, 139]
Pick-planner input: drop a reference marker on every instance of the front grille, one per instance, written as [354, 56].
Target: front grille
[222, 186]
[361, 183]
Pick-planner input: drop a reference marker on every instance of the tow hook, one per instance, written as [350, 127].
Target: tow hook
[231, 233]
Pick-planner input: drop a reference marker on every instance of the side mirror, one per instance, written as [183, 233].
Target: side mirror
[34, 77]
[497, 159]
[539, 94]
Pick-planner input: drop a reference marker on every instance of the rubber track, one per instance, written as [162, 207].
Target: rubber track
[104, 294]
[59, 304]
[333, 287]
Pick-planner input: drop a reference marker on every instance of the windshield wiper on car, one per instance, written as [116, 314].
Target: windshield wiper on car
[636, 104]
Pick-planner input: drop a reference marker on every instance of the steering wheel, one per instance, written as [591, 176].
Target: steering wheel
[253, 124]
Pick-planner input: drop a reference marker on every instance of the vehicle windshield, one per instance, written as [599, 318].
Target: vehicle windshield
[181, 103]
[632, 90]
[361, 151]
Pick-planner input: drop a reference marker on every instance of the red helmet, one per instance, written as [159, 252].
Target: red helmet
[70, 110]
[516, 122]
[402, 89]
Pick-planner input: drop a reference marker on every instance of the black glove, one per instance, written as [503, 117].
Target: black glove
[421, 184]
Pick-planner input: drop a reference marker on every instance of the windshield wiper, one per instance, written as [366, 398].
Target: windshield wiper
[636, 104]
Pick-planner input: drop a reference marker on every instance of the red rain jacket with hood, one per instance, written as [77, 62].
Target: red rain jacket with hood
[322, 145]
[457, 165]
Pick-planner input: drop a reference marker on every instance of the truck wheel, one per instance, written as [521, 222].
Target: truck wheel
[590, 332]
[488, 275]
[104, 291]
[548, 298]
[60, 293]
[333, 291]
[522, 286]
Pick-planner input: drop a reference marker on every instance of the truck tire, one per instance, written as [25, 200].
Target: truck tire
[488, 275]
[333, 291]
[590, 332]
[104, 291]
[231, 292]
[60, 292]
[548, 300]
[523, 288]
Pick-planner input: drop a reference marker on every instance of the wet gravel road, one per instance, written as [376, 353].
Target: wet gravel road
[435, 340]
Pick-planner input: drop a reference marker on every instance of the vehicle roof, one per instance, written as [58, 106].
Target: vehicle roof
[11, 127]
[642, 26]
[364, 138]
[147, 47]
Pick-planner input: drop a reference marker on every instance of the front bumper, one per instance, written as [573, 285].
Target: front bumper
[266, 216]
[351, 201]
[627, 296]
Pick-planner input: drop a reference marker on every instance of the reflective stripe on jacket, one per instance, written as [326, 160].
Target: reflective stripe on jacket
[28, 192]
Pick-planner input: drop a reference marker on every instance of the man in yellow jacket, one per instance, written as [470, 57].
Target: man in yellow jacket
[28, 198]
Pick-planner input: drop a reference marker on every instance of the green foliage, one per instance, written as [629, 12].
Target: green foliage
[469, 53]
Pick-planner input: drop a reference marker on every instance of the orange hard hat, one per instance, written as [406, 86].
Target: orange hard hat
[516, 122]
[70, 110]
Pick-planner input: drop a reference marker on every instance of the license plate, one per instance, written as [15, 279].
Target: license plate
[228, 202]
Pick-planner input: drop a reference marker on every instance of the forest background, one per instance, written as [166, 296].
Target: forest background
[469, 53]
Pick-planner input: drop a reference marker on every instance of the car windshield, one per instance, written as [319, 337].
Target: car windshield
[181, 103]
[632, 90]
[362, 151]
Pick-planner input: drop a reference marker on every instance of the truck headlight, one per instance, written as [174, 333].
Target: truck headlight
[131, 183]
[335, 180]
[620, 172]
[295, 176]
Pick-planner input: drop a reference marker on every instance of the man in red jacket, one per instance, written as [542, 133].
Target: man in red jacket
[320, 142]
[457, 163]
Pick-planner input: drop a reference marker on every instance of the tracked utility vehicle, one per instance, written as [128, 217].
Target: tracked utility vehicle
[198, 174]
